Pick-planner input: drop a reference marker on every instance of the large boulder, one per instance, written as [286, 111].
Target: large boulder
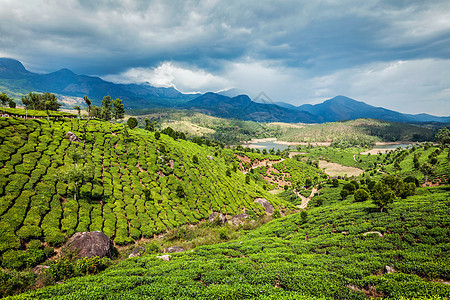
[72, 137]
[267, 206]
[173, 249]
[239, 219]
[88, 244]
[217, 217]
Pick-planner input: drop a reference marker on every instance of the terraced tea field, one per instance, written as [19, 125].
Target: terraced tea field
[128, 188]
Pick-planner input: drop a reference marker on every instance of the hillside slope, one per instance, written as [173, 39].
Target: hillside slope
[129, 188]
[327, 254]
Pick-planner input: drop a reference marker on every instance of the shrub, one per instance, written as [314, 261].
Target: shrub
[132, 122]
[361, 195]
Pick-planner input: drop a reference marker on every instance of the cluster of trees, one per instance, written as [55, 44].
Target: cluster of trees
[108, 110]
[45, 101]
[6, 100]
[382, 192]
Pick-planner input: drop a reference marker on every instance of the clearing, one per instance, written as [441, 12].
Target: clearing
[334, 169]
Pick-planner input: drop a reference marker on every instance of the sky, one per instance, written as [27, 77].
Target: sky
[393, 54]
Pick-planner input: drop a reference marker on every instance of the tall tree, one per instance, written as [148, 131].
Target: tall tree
[106, 108]
[118, 109]
[443, 136]
[88, 105]
[5, 100]
[50, 101]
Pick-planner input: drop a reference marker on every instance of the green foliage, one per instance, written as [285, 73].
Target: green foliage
[361, 195]
[326, 257]
[132, 122]
[443, 136]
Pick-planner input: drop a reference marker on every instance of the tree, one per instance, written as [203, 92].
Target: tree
[96, 112]
[4, 99]
[308, 182]
[180, 191]
[443, 136]
[74, 173]
[158, 135]
[344, 194]
[247, 179]
[427, 170]
[118, 109]
[78, 109]
[304, 216]
[125, 133]
[361, 195]
[106, 108]
[11, 103]
[194, 158]
[383, 199]
[149, 126]
[335, 182]
[132, 122]
[88, 104]
[50, 102]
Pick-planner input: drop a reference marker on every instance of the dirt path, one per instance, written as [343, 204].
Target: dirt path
[305, 200]
[354, 158]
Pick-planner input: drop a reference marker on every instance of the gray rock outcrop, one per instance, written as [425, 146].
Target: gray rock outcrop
[389, 269]
[88, 244]
[239, 219]
[165, 257]
[267, 206]
[72, 137]
[136, 252]
[39, 269]
[215, 216]
[173, 249]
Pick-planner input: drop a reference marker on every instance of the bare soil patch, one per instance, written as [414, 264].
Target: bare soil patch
[334, 169]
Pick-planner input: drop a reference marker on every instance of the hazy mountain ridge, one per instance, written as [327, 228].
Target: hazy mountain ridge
[16, 79]
[14, 75]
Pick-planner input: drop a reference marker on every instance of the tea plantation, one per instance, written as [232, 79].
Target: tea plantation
[341, 250]
[128, 187]
[134, 185]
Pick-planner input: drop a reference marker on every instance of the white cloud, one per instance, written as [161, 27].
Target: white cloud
[170, 75]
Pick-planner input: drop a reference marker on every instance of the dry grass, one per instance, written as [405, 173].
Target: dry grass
[334, 169]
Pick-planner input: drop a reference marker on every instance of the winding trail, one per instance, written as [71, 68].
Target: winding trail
[305, 200]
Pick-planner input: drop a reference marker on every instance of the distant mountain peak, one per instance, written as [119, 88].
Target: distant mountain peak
[10, 65]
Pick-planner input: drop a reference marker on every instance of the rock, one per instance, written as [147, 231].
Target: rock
[217, 216]
[166, 257]
[210, 157]
[344, 232]
[88, 244]
[267, 206]
[136, 252]
[373, 232]
[39, 269]
[72, 137]
[239, 219]
[389, 270]
[173, 249]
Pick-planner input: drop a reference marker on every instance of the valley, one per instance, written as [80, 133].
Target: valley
[153, 190]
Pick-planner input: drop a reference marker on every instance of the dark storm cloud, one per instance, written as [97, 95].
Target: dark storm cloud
[303, 40]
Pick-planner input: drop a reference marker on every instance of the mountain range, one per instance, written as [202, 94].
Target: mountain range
[15, 79]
